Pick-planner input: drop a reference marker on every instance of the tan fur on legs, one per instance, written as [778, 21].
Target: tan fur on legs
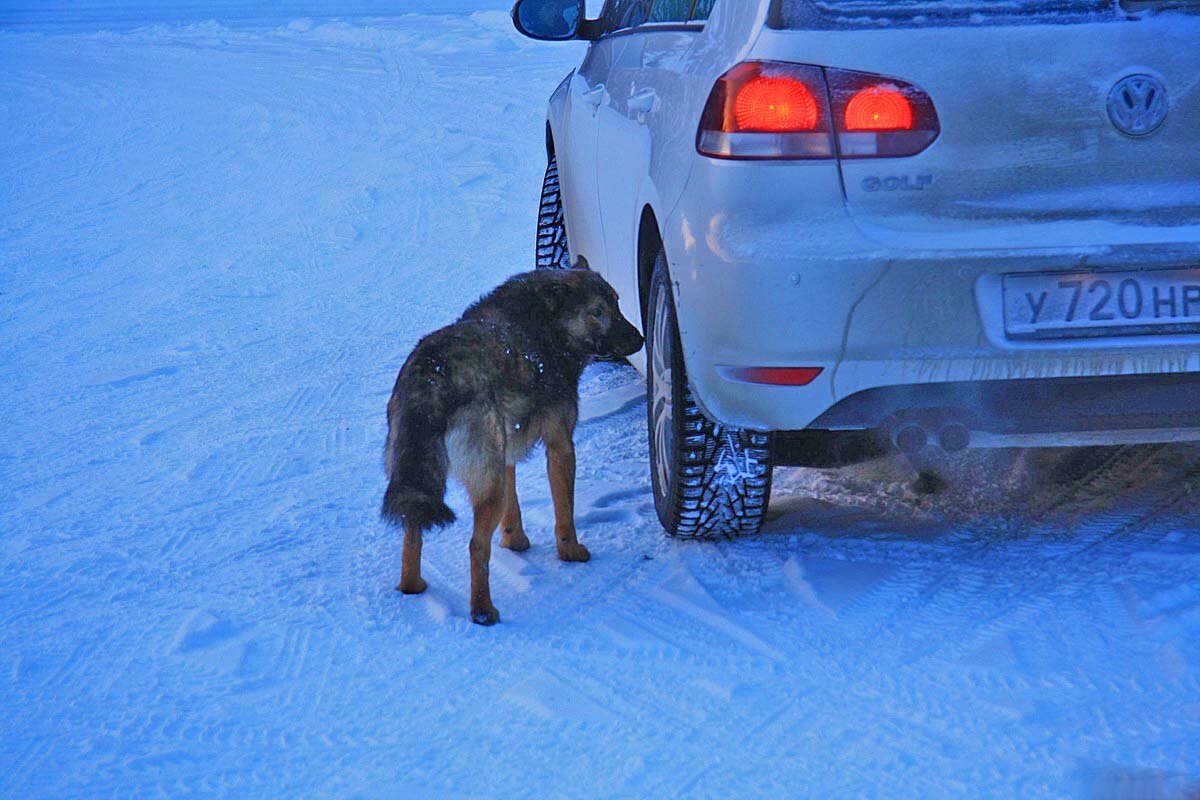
[410, 562]
[560, 467]
[489, 507]
[512, 531]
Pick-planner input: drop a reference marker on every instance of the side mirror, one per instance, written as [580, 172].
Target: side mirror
[550, 20]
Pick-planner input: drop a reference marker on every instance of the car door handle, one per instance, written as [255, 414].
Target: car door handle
[642, 102]
[593, 96]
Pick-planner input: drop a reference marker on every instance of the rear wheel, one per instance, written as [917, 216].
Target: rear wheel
[552, 249]
[708, 479]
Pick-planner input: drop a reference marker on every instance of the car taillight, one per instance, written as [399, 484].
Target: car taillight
[878, 117]
[767, 109]
[878, 108]
[775, 103]
[778, 110]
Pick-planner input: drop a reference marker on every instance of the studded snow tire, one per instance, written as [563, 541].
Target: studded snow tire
[709, 480]
[552, 249]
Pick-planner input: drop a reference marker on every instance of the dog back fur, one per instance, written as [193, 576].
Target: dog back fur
[478, 394]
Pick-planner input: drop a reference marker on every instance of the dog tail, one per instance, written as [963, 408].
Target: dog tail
[416, 460]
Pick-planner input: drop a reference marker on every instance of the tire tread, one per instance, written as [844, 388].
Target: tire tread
[551, 249]
[721, 475]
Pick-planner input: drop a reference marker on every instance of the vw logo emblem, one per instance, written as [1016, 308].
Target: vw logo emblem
[1137, 105]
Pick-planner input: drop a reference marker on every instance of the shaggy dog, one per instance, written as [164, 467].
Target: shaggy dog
[474, 398]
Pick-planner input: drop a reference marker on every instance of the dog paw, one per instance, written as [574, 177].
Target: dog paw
[572, 551]
[517, 540]
[485, 616]
[415, 586]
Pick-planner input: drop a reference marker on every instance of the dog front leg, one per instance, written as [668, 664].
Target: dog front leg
[488, 507]
[512, 531]
[560, 467]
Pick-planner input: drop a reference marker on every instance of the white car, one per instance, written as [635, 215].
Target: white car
[849, 224]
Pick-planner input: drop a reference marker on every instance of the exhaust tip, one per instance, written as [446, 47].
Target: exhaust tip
[954, 437]
[910, 438]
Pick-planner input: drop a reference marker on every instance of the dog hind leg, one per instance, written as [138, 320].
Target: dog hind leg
[411, 581]
[488, 504]
[512, 531]
[476, 445]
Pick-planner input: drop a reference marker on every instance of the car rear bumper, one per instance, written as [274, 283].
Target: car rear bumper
[761, 282]
[1111, 409]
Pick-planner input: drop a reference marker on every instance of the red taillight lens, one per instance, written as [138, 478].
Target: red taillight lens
[879, 117]
[767, 109]
[878, 108]
[775, 104]
[774, 376]
[777, 110]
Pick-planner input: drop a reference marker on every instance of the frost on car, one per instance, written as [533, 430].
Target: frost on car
[849, 226]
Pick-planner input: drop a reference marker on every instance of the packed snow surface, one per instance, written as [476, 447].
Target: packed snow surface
[218, 241]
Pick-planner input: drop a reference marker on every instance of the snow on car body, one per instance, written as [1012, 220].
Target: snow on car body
[950, 223]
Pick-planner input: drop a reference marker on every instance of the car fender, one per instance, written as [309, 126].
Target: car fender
[556, 110]
[647, 195]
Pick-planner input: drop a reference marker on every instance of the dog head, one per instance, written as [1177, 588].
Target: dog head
[590, 317]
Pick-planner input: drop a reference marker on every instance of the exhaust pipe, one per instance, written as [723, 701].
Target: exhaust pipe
[909, 438]
[914, 431]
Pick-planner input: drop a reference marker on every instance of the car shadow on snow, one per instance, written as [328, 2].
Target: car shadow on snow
[1012, 493]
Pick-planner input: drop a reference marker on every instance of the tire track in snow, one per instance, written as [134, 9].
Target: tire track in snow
[30, 759]
[957, 630]
[948, 617]
[1120, 471]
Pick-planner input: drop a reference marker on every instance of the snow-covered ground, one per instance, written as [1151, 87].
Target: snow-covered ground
[218, 240]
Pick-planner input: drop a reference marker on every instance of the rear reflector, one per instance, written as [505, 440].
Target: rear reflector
[779, 110]
[773, 376]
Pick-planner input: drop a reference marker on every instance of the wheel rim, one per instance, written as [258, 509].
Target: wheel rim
[662, 396]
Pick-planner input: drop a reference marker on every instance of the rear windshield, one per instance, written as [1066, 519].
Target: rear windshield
[849, 14]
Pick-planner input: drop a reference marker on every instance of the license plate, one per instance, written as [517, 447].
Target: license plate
[1083, 305]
